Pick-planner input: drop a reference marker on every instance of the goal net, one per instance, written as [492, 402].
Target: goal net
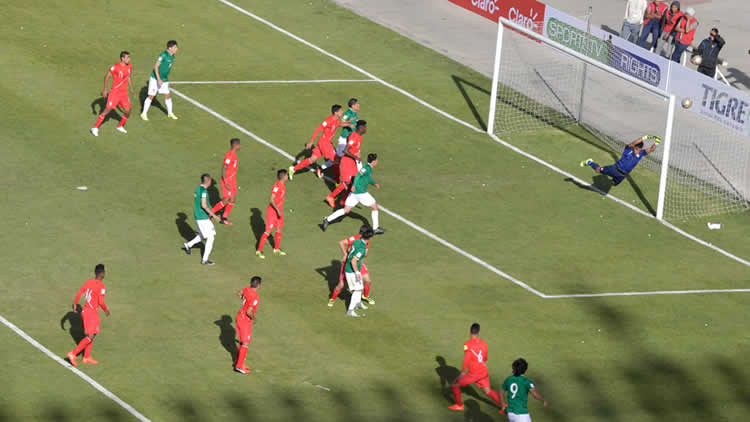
[542, 85]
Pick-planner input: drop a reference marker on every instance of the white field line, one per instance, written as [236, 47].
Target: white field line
[66, 365]
[312, 81]
[658, 292]
[357, 68]
[382, 208]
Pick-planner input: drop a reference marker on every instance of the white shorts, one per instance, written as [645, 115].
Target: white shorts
[153, 87]
[206, 228]
[352, 282]
[340, 147]
[525, 417]
[359, 198]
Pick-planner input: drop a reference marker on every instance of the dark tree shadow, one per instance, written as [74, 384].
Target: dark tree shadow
[227, 336]
[447, 375]
[331, 274]
[143, 93]
[187, 411]
[183, 227]
[56, 413]
[76, 324]
[472, 412]
[257, 224]
[239, 405]
[599, 403]
[735, 378]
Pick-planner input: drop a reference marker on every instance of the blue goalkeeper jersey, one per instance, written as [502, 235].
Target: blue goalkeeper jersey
[629, 160]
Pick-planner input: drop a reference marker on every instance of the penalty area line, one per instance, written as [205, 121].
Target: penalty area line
[382, 208]
[130, 409]
[312, 81]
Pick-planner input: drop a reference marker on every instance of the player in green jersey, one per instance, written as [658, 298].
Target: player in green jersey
[357, 252]
[159, 80]
[202, 212]
[348, 124]
[517, 388]
[359, 195]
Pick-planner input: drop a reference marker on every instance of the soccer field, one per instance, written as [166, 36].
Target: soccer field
[476, 233]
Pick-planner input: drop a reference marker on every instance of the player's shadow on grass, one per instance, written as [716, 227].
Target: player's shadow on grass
[213, 194]
[227, 336]
[143, 93]
[183, 227]
[601, 182]
[472, 412]
[76, 324]
[98, 106]
[257, 224]
[447, 375]
[331, 274]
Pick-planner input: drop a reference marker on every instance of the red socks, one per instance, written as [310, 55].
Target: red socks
[494, 396]
[227, 210]
[277, 238]
[87, 350]
[302, 164]
[122, 121]
[457, 394]
[100, 120]
[241, 356]
[335, 293]
[367, 290]
[340, 188]
[262, 241]
[218, 206]
[82, 345]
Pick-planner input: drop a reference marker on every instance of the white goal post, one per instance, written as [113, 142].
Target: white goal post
[539, 83]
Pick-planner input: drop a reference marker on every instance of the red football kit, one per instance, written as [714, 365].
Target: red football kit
[93, 290]
[250, 301]
[349, 241]
[230, 160]
[274, 220]
[475, 358]
[325, 147]
[348, 167]
[118, 95]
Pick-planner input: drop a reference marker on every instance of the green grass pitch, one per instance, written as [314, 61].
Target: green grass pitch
[166, 349]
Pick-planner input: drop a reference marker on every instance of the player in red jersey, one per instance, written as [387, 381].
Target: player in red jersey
[474, 371]
[118, 96]
[228, 182]
[325, 147]
[93, 290]
[275, 215]
[245, 319]
[349, 162]
[344, 245]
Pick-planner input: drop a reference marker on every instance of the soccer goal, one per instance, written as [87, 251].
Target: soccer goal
[538, 84]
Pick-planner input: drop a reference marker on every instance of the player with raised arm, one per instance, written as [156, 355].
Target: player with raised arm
[631, 156]
[474, 370]
[118, 95]
[353, 271]
[245, 319]
[325, 147]
[275, 215]
[201, 213]
[93, 290]
[228, 182]
[517, 388]
[359, 195]
[344, 245]
[350, 124]
[158, 83]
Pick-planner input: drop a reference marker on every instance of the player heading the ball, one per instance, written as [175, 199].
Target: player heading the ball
[159, 80]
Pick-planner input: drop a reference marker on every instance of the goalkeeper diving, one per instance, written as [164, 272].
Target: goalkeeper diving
[632, 155]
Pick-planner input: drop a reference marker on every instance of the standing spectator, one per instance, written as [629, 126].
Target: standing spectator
[671, 18]
[709, 50]
[652, 24]
[631, 26]
[684, 33]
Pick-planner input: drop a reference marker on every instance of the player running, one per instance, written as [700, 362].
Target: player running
[325, 147]
[517, 387]
[159, 80]
[275, 215]
[474, 371]
[245, 319]
[93, 290]
[359, 195]
[201, 213]
[344, 245]
[353, 271]
[228, 182]
[118, 95]
[631, 156]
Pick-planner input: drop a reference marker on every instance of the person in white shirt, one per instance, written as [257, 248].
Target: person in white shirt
[635, 10]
